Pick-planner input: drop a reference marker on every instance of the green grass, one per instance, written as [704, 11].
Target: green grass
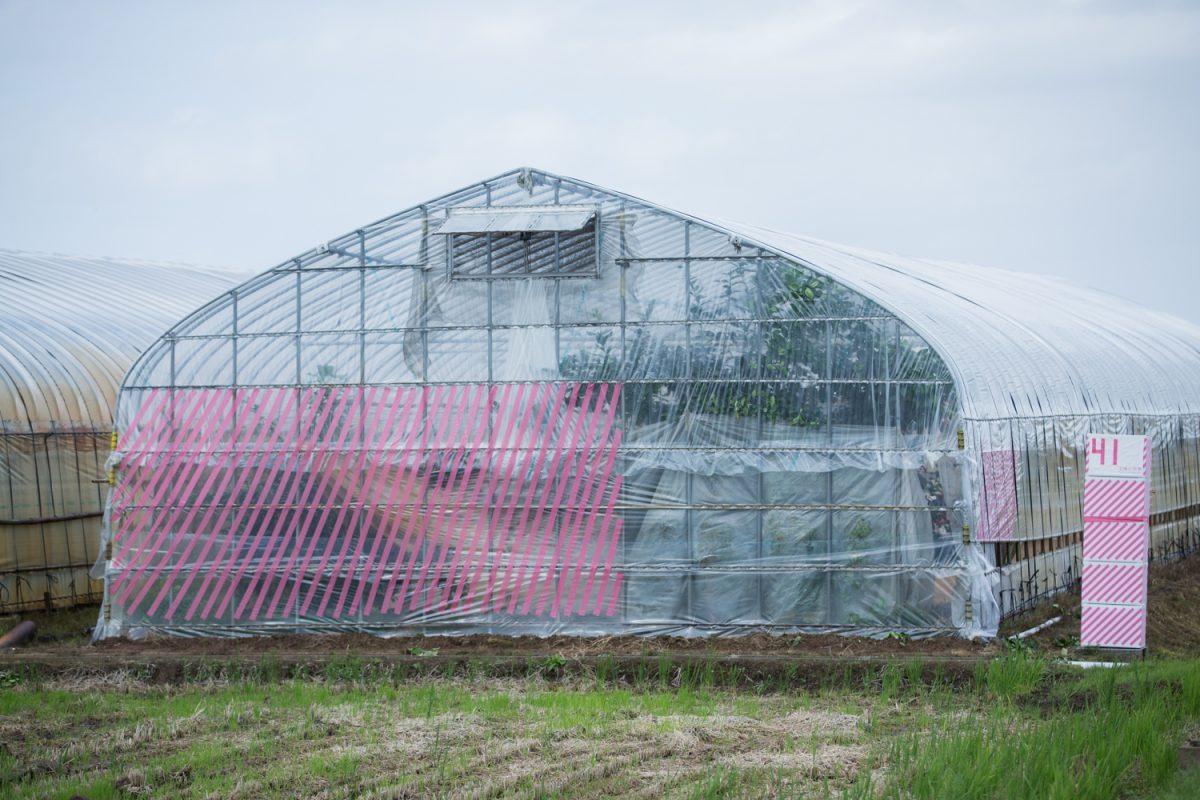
[1017, 727]
[1104, 734]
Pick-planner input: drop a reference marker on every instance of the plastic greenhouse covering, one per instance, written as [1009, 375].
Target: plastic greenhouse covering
[539, 406]
[69, 329]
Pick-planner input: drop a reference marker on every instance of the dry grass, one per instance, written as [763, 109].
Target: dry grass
[438, 739]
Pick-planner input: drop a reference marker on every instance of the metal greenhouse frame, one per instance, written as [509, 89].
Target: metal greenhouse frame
[537, 406]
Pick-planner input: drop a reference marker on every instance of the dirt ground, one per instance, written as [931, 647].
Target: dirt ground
[1174, 597]
[827, 645]
[1172, 622]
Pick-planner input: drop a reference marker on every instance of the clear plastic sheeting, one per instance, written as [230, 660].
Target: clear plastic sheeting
[654, 424]
[69, 329]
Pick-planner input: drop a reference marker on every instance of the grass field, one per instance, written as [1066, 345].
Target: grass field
[1016, 726]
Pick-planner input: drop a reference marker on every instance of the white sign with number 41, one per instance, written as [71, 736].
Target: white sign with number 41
[1121, 456]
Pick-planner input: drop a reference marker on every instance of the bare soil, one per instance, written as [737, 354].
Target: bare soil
[1172, 624]
[827, 645]
[1174, 597]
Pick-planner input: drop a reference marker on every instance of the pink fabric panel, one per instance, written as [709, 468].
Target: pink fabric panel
[998, 503]
[262, 503]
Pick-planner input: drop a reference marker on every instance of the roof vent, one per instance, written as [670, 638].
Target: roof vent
[547, 241]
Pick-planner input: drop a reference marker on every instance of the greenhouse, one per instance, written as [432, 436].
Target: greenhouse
[69, 329]
[535, 405]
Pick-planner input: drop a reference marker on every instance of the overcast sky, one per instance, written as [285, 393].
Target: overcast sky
[1057, 137]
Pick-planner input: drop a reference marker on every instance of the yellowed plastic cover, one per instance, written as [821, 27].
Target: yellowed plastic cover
[69, 329]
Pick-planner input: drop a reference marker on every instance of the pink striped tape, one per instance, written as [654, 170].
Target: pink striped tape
[364, 518]
[244, 498]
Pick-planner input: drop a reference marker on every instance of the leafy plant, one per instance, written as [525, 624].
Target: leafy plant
[552, 665]
[422, 652]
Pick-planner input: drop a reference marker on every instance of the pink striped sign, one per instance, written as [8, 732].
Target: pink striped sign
[1116, 498]
[1113, 626]
[1116, 538]
[387, 503]
[1115, 583]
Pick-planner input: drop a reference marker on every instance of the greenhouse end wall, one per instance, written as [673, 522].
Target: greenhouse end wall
[536, 406]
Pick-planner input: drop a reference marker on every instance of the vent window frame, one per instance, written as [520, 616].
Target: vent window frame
[529, 244]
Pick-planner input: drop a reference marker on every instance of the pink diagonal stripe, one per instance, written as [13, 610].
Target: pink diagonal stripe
[513, 465]
[481, 513]
[523, 545]
[193, 502]
[256, 402]
[594, 504]
[1133, 631]
[133, 475]
[1100, 496]
[415, 529]
[496, 517]
[611, 556]
[424, 421]
[144, 467]
[282, 402]
[174, 532]
[377, 560]
[464, 549]
[502, 542]
[165, 492]
[381, 498]
[157, 475]
[1113, 583]
[597, 479]
[364, 520]
[432, 497]
[584, 423]
[341, 473]
[209, 528]
[306, 533]
[1115, 498]
[345, 534]
[286, 503]
[286, 472]
[564, 447]
[446, 514]
[135, 434]
[1134, 503]
[304, 489]
[607, 531]
[569, 529]
[1113, 626]
[1115, 541]
[616, 592]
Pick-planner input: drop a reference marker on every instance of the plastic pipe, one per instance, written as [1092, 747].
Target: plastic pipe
[18, 635]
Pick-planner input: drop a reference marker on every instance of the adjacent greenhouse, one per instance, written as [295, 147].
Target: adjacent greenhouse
[69, 329]
[539, 406]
